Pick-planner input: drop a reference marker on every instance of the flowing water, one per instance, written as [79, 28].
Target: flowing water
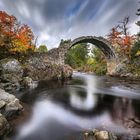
[63, 111]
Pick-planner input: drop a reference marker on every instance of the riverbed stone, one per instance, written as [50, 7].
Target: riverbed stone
[29, 83]
[137, 137]
[2, 104]
[99, 135]
[13, 106]
[102, 135]
[10, 103]
[4, 125]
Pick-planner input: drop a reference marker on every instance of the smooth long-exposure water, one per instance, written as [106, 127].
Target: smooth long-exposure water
[64, 111]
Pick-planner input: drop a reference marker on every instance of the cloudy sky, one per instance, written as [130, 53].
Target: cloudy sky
[52, 20]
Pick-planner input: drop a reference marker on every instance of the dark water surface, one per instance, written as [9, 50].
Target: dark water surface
[62, 111]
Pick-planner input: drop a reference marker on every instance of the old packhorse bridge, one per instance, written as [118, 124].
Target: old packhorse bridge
[57, 55]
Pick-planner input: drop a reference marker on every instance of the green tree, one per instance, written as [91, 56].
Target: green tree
[138, 11]
[77, 55]
[97, 55]
[98, 62]
[64, 42]
[42, 48]
[135, 50]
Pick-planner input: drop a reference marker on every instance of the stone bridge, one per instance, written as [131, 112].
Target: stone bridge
[57, 55]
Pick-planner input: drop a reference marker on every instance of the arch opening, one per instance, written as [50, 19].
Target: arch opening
[99, 42]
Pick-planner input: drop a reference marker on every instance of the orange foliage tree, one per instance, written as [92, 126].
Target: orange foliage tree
[114, 36]
[126, 43]
[122, 41]
[14, 37]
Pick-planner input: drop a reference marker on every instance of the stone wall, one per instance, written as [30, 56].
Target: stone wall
[46, 67]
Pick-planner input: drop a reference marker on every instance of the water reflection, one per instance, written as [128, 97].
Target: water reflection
[44, 116]
[90, 100]
[74, 108]
[79, 102]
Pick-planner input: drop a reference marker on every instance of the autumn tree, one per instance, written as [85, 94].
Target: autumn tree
[120, 38]
[114, 35]
[14, 37]
[123, 25]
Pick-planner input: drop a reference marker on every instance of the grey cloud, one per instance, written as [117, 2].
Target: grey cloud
[52, 20]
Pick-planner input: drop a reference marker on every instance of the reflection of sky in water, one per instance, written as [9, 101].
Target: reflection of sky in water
[109, 115]
[89, 101]
[44, 111]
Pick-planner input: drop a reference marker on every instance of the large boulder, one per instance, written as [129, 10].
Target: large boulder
[11, 65]
[9, 104]
[11, 73]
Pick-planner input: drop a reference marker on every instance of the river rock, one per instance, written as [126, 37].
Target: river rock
[29, 83]
[121, 68]
[99, 135]
[9, 104]
[4, 125]
[2, 104]
[11, 73]
[102, 135]
[13, 107]
[137, 137]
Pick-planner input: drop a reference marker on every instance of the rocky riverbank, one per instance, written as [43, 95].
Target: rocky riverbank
[9, 106]
[106, 135]
[15, 75]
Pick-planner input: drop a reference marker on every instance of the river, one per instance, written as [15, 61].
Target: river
[64, 111]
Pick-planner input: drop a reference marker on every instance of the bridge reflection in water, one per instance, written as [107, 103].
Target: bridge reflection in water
[66, 112]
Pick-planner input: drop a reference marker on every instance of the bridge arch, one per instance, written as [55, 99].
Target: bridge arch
[58, 55]
[99, 42]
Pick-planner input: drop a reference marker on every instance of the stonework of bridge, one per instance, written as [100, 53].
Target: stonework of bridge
[99, 42]
[58, 55]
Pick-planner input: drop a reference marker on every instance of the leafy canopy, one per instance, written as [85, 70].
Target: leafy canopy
[14, 36]
[77, 55]
[42, 48]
